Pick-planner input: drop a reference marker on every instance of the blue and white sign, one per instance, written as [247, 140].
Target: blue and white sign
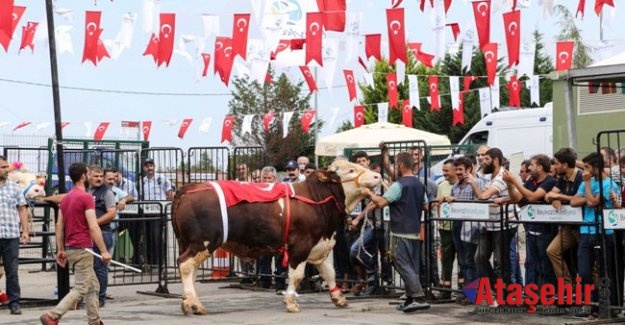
[464, 211]
[614, 218]
[547, 213]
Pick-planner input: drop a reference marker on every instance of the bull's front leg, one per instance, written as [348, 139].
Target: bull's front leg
[326, 271]
[188, 274]
[295, 277]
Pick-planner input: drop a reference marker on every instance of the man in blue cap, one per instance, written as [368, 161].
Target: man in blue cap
[293, 173]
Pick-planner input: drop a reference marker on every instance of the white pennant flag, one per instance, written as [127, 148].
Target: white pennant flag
[67, 14]
[257, 10]
[467, 48]
[485, 108]
[170, 122]
[400, 71]
[534, 85]
[272, 23]
[382, 112]
[258, 55]
[149, 9]
[88, 127]
[286, 121]
[547, 8]
[123, 40]
[335, 112]
[368, 79]
[182, 49]
[64, 39]
[246, 125]
[211, 25]
[3, 124]
[413, 87]
[330, 55]
[494, 93]
[526, 58]
[454, 89]
[41, 126]
[353, 23]
[205, 125]
[437, 22]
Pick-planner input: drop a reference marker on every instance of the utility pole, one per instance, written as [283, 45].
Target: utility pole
[316, 103]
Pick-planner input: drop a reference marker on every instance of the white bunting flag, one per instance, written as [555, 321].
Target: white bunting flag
[437, 23]
[485, 107]
[64, 40]
[88, 127]
[534, 86]
[353, 22]
[454, 90]
[383, 112]
[67, 14]
[211, 26]
[468, 41]
[3, 124]
[368, 79]
[526, 58]
[330, 56]
[494, 93]
[149, 14]
[246, 125]
[205, 125]
[286, 121]
[413, 88]
[335, 112]
[123, 40]
[400, 71]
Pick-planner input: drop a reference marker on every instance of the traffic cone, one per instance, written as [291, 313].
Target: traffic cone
[221, 264]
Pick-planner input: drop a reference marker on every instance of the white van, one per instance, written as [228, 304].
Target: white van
[526, 130]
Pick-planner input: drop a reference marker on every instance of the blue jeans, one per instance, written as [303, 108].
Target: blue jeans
[363, 249]
[101, 269]
[406, 259]
[515, 268]
[9, 250]
[538, 268]
[589, 251]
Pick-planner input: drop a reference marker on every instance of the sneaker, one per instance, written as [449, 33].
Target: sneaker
[582, 315]
[46, 319]
[371, 290]
[415, 306]
[15, 310]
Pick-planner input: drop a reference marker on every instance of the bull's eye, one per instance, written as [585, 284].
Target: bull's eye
[351, 171]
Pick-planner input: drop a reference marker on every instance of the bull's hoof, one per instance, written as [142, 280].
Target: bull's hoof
[192, 305]
[291, 304]
[338, 299]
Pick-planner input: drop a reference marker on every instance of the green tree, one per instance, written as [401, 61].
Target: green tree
[543, 65]
[279, 96]
[582, 56]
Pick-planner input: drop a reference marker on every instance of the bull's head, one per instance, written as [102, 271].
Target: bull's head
[353, 178]
[32, 187]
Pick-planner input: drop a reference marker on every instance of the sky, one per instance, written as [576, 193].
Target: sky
[131, 87]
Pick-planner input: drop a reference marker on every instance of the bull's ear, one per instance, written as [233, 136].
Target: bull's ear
[333, 168]
[322, 175]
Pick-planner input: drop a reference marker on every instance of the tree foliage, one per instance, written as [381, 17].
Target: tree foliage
[582, 56]
[279, 96]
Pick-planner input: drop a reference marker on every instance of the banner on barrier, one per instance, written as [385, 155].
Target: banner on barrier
[547, 213]
[614, 218]
[464, 211]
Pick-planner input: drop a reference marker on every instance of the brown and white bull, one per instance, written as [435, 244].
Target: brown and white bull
[301, 222]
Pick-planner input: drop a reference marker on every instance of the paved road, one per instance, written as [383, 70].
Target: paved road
[228, 305]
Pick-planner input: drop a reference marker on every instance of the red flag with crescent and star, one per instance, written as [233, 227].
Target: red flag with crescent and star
[166, 38]
[92, 35]
[514, 89]
[152, 48]
[425, 58]
[307, 119]
[240, 30]
[226, 130]
[406, 113]
[372, 46]
[223, 58]
[147, 127]
[186, 123]
[351, 84]
[267, 118]
[314, 33]
[100, 131]
[393, 95]
[333, 14]
[490, 60]
[283, 44]
[12, 14]
[310, 80]
[435, 104]
[599, 5]
[28, 35]
[455, 29]
[359, 116]
[564, 55]
[512, 24]
[396, 35]
[481, 12]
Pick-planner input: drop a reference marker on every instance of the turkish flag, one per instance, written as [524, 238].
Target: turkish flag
[297, 43]
[267, 118]
[425, 58]
[333, 14]
[406, 113]
[457, 115]
[223, 58]
[372, 46]
[152, 48]
[28, 35]
[310, 80]
[307, 119]
[455, 29]
[481, 12]
[100, 131]
[351, 84]
[435, 104]
[580, 8]
[206, 59]
[101, 51]
[314, 32]
[147, 127]
[239, 35]
[184, 127]
[514, 88]
[226, 129]
[21, 125]
[15, 13]
[564, 55]
[166, 38]
[282, 45]
[64, 124]
[396, 35]
[512, 25]
[599, 5]
[363, 64]
[490, 60]
[396, 3]
[393, 95]
[359, 116]
[92, 34]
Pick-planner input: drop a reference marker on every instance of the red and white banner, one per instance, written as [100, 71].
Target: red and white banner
[425, 58]
[490, 60]
[28, 36]
[406, 113]
[226, 129]
[514, 89]
[435, 101]
[396, 35]
[184, 127]
[206, 60]
[166, 36]
[10, 16]
[359, 116]
[564, 55]
[333, 14]
[240, 29]
[373, 43]
[223, 58]
[92, 35]
[393, 95]
[21, 125]
[481, 13]
[351, 84]
[130, 124]
[307, 119]
[100, 131]
[314, 33]
[310, 79]
[512, 25]
[267, 118]
[147, 127]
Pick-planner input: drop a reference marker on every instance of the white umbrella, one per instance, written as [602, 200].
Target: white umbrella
[370, 136]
